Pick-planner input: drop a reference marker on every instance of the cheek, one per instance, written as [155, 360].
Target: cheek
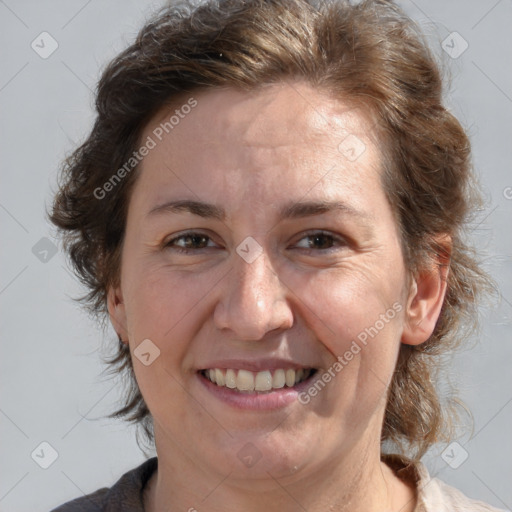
[160, 298]
[358, 320]
[351, 303]
[164, 306]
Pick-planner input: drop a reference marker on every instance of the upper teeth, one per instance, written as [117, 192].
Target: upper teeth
[244, 380]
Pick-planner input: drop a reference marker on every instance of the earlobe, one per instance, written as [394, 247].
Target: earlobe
[426, 297]
[117, 313]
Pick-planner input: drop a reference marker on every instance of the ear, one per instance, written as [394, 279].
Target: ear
[117, 312]
[426, 296]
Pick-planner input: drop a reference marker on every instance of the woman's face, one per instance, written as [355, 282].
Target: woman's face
[283, 255]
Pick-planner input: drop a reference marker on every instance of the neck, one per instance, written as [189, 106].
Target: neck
[359, 482]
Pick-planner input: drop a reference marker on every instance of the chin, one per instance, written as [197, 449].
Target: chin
[252, 456]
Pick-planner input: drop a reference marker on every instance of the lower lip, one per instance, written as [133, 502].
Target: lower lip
[276, 399]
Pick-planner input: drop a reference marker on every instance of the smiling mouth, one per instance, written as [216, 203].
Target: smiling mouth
[267, 381]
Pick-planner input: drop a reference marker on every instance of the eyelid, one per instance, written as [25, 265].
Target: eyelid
[184, 234]
[342, 241]
[336, 238]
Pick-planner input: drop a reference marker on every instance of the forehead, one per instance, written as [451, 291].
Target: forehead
[279, 113]
[281, 137]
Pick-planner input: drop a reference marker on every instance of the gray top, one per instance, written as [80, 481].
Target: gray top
[124, 496]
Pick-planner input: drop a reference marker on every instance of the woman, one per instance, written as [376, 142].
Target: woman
[270, 209]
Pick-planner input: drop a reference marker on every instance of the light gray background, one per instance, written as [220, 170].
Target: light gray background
[50, 378]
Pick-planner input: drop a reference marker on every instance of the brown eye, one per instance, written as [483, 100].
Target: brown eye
[189, 242]
[320, 241]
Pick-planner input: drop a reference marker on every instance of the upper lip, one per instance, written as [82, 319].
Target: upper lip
[255, 365]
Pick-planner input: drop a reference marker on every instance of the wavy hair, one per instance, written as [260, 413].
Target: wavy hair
[369, 53]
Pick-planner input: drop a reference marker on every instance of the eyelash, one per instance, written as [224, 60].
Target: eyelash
[192, 234]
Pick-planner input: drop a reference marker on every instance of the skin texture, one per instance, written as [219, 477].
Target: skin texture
[302, 299]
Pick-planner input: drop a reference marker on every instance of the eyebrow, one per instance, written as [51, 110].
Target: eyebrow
[291, 210]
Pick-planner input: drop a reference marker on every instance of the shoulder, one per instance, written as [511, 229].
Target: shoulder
[434, 495]
[93, 502]
[438, 496]
[125, 495]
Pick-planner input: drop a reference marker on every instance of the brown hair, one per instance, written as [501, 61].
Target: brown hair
[369, 53]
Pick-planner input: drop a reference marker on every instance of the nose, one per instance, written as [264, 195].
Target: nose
[253, 300]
